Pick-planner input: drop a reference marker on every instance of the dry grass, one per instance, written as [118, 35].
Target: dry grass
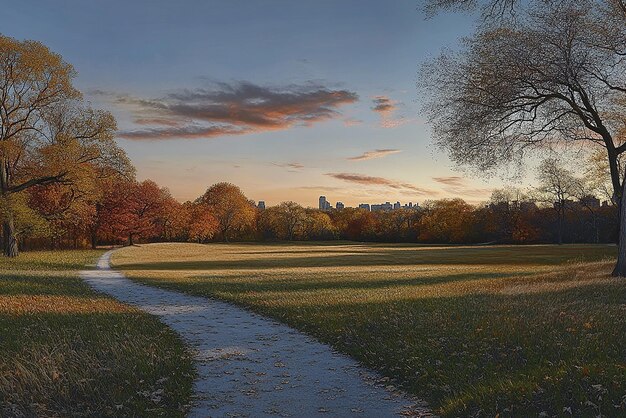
[477, 331]
[67, 351]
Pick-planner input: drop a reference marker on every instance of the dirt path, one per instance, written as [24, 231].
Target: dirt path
[249, 365]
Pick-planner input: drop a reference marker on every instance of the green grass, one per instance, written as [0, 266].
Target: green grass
[476, 331]
[67, 351]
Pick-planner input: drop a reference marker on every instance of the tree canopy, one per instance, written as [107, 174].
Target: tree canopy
[549, 75]
[48, 135]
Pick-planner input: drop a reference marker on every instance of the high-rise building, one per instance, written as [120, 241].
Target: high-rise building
[339, 205]
[590, 202]
[261, 205]
[396, 206]
[382, 207]
[323, 203]
[365, 206]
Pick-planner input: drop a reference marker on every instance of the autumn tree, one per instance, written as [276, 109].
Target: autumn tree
[355, 224]
[233, 211]
[47, 134]
[291, 218]
[317, 225]
[446, 221]
[202, 223]
[27, 222]
[69, 211]
[553, 75]
[131, 211]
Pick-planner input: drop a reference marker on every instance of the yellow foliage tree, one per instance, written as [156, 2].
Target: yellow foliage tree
[47, 134]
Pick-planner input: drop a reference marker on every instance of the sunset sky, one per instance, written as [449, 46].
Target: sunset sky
[287, 99]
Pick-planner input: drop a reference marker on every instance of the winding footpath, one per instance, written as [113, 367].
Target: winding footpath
[252, 366]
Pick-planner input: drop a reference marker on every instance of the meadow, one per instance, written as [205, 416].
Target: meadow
[475, 331]
[68, 351]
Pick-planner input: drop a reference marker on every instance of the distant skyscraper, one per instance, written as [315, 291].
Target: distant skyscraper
[382, 207]
[365, 206]
[323, 203]
[261, 205]
[340, 205]
[396, 206]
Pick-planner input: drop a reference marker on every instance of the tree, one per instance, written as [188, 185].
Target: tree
[554, 75]
[202, 224]
[233, 211]
[557, 187]
[26, 221]
[317, 225]
[291, 217]
[447, 221]
[47, 135]
[355, 224]
[132, 211]
[68, 210]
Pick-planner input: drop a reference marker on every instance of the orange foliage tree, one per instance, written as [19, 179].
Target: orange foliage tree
[446, 220]
[234, 212]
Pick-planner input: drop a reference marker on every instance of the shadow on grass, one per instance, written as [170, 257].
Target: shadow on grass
[66, 350]
[395, 257]
[528, 352]
[306, 284]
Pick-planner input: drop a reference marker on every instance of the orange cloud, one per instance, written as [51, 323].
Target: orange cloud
[383, 104]
[292, 166]
[378, 153]
[380, 181]
[458, 186]
[386, 107]
[455, 181]
[231, 109]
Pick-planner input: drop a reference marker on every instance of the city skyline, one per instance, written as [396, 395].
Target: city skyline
[324, 204]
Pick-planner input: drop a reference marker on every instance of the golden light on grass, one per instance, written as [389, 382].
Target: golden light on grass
[68, 351]
[533, 328]
[53, 304]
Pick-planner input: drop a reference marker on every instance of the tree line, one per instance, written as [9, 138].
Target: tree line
[126, 211]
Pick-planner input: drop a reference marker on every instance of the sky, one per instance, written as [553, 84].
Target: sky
[287, 99]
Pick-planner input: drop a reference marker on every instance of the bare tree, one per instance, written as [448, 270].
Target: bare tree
[552, 76]
[557, 187]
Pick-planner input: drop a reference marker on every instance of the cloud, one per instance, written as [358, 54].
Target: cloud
[386, 107]
[383, 105]
[293, 166]
[370, 155]
[458, 186]
[352, 122]
[184, 132]
[231, 109]
[454, 181]
[380, 181]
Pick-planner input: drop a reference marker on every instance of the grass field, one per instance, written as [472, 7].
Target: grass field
[476, 331]
[67, 351]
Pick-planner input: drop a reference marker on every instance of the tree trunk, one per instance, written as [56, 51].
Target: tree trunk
[94, 240]
[620, 266]
[561, 216]
[130, 240]
[10, 248]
